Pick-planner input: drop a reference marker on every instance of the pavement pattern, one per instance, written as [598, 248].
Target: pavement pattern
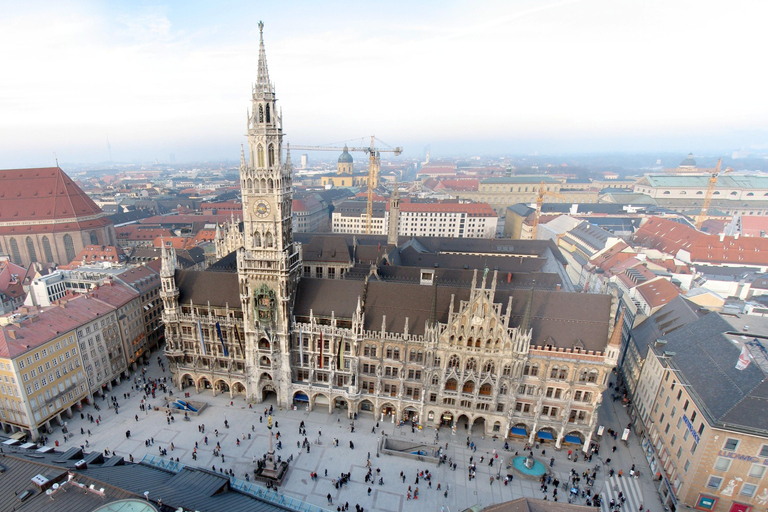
[248, 424]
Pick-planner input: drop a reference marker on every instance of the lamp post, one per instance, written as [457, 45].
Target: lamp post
[501, 463]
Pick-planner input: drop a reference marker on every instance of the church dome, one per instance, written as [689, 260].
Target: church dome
[688, 162]
[345, 157]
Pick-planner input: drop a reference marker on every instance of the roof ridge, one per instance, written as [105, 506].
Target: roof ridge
[746, 395]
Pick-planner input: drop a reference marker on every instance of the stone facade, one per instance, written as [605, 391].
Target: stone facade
[468, 359]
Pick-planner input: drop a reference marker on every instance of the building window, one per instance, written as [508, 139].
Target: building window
[94, 238]
[722, 464]
[31, 249]
[731, 444]
[69, 247]
[15, 254]
[757, 471]
[748, 490]
[764, 451]
[714, 482]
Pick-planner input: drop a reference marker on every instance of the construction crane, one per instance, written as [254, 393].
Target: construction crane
[539, 203]
[374, 163]
[701, 217]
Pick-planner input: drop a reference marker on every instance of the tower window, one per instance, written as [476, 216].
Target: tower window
[261, 114]
[271, 146]
[268, 116]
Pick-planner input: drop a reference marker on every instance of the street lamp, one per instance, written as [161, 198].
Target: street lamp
[501, 463]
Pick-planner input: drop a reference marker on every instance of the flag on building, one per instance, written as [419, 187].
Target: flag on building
[221, 339]
[320, 363]
[301, 347]
[239, 340]
[202, 339]
[744, 359]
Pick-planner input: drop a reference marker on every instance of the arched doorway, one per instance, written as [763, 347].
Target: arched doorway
[203, 384]
[300, 399]
[186, 381]
[545, 435]
[222, 387]
[446, 419]
[340, 403]
[462, 422]
[519, 430]
[268, 393]
[264, 344]
[366, 407]
[387, 411]
[238, 388]
[411, 414]
[320, 400]
[478, 426]
[574, 438]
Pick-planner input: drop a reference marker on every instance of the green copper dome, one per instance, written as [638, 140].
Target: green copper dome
[345, 157]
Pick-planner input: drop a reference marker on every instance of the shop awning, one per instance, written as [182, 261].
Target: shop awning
[300, 397]
[542, 434]
[572, 440]
[518, 431]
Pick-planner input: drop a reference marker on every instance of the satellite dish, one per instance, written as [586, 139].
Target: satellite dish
[48, 492]
[55, 486]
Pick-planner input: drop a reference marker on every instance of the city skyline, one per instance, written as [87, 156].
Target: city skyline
[93, 82]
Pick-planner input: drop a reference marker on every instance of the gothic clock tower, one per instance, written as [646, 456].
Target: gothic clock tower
[268, 264]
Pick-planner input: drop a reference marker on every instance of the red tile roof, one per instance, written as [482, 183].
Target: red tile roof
[45, 194]
[458, 185]
[658, 293]
[137, 233]
[670, 237]
[471, 209]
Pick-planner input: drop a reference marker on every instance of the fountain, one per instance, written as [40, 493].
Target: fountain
[528, 467]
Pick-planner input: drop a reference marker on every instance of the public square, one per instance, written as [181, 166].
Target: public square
[249, 425]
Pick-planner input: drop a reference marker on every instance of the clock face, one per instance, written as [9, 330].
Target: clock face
[261, 209]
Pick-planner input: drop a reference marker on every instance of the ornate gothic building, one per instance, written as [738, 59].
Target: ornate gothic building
[455, 333]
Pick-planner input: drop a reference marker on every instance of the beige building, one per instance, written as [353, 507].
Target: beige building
[41, 367]
[700, 404]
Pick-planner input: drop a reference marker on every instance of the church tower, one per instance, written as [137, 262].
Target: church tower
[268, 265]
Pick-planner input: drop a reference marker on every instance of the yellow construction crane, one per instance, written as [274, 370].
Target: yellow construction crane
[374, 163]
[539, 202]
[701, 217]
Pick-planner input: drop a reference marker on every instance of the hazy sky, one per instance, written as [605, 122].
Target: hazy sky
[464, 77]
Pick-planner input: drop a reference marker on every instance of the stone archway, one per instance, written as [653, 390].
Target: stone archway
[388, 410]
[268, 391]
[462, 423]
[479, 426]
[238, 388]
[321, 400]
[411, 414]
[366, 407]
[300, 399]
[221, 386]
[446, 419]
[203, 383]
[186, 380]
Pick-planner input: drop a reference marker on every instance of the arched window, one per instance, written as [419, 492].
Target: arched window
[485, 389]
[507, 370]
[47, 250]
[15, 254]
[260, 155]
[450, 385]
[261, 113]
[454, 362]
[69, 247]
[471, 365]
[257, 239]
[31, 249]
[271, 155]
[469, 387]
[268, 240]
[553, 373]
[592, 377]
[269, 118]
[503, 389]
[470, 342]
[263, 344]
[435, 380]
[270, 184]
[489, 367]
[583, 376]
[94, 238]
[563, 373]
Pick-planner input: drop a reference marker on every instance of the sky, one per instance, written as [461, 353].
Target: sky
[92, 82]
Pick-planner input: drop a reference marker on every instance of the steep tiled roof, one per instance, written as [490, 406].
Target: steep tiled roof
[45, 194]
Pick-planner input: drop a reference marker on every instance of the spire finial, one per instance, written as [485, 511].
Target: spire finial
[242, 155]
[262, 80]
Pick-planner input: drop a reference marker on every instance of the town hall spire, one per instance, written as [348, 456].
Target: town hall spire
[262, 81]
